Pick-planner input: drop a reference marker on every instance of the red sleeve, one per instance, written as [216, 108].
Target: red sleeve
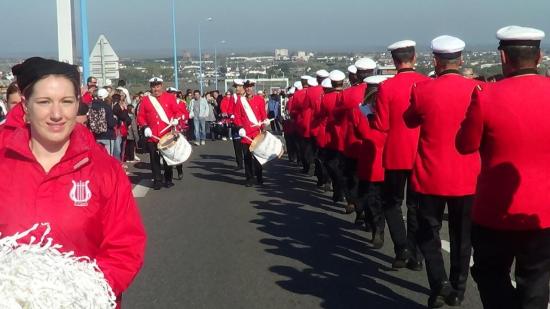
[362, 124]
[122, 250]
[382, 112]
[469, 136]
[413, 115]
[174, 107]
[263, 113]
[238, 115]
[141, 117]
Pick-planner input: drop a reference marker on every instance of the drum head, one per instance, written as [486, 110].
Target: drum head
[256, 141]
[167, 141]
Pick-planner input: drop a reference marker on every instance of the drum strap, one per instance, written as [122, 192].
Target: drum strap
[249, 112]
[159, 109]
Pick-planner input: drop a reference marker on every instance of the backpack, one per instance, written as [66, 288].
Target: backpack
[97, 120]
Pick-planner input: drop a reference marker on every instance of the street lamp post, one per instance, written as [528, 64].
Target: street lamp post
[200, 56]
[216, 62]
[176, 81]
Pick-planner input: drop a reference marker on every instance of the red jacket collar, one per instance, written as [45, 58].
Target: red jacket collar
[16, 117]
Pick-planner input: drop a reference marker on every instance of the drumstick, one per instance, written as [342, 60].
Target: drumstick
[257, 125]
[165, 128]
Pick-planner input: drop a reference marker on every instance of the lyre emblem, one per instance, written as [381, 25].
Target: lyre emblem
[80, 193]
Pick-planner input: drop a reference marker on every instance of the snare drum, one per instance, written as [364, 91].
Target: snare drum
[266, 147]
[174, 148]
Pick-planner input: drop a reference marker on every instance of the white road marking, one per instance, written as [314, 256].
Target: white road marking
[140, 190]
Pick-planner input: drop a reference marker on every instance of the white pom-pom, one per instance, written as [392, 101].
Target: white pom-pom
[38, 275]
[242, 132]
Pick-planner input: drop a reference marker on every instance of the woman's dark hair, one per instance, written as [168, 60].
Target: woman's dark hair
[12, 88]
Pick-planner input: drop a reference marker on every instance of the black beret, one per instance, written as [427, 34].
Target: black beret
[35, 68]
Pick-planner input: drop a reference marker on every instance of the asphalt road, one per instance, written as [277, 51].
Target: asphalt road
[213, 243]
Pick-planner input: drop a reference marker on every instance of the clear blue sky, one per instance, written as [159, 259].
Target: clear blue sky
[144, 26]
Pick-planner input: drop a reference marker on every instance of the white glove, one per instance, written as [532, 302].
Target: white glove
[266, 122]
[174, 122]
[182, 117]
[242, 132]
[232, 117]
[147, 132]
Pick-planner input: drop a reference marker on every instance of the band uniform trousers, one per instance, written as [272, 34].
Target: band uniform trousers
[430, 217]
[370, 201]
[291, 148]
[154, 156]
[350, 175]
[494, 253]
[237, 146]
[307, 153]
[335, 165]
[395, 182]
[251, 166]
[320, 169]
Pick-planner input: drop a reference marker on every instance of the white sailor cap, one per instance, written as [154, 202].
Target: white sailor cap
[337, 76]
[448, 46]
[171, 89]
[298, 85]
[249, 82]
[102, 93]
[326, 83]
[155, 80]
[364, 64]
[322, 73]
[431, 74]
[238, 82]
[402, 44]
[352, 69]
[519, 36]
[260, 92]
[312, 82]
[291, 90]
[376, 79]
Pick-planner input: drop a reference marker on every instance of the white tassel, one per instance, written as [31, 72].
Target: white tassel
[39, 276]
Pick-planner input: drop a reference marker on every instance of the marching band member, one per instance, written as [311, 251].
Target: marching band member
[399, 153]
[251, 117]
[157, 113]
[238, 84]
[302, 119]
[440, 174]
[182, 122]
[314, 99]
[507, 122]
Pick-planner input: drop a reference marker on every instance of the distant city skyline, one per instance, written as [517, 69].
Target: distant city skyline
[143, 28]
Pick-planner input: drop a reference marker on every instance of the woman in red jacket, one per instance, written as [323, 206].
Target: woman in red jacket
[70, 181]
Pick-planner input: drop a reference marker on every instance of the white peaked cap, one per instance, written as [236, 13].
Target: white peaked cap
[337, 76]
[298, 85]
[102, 93]
[312, 82]
[402, 44]
[156, 80]
[376, 79]
[365, 64]
[238, 82]
[170, 89]
[322, 73]
[260, 92]
[517, 33]
[326, 83]
[432, 73]
[446, 44]
[352, 69]
[306, 77]
[291, 90]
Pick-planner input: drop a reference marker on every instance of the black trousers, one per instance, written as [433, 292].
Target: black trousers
[154, 156]
[320, 169]
[251, 166]
[291, 148]
[494, 252]
[275, 125]
[350, 175]
[430, 217]
[130, 153]
[306, 153]
[370, 202]
[335, 165]
[238, 147]
[394, 194]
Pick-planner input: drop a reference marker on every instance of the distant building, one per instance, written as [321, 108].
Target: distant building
[281, 54]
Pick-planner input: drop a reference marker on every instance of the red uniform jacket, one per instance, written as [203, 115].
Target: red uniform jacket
[392, 100]
[357, 125]
[227, 106]
[369, 163]
[86, 198]
[289, 127]
[336, 125]
[257, 104]
[312, 103]
[300, 111]
[320, 121]
[148, 116]
[438, 106]
[182, 126]
[508, 122]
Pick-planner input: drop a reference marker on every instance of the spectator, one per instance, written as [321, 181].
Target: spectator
[199, 110]
[133, 137]
[211, 127]
[273, 111]
[102, 121]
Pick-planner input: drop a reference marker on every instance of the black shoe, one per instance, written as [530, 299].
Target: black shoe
[248, 183]
[168, 184]
[454, 299]
[180, 176]
[157, 186]
[437, 300]
[378, 240]
[349, 208]
[328, 187]
[400, 260]
[260, 182]
[415, 265]
[238, 168]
